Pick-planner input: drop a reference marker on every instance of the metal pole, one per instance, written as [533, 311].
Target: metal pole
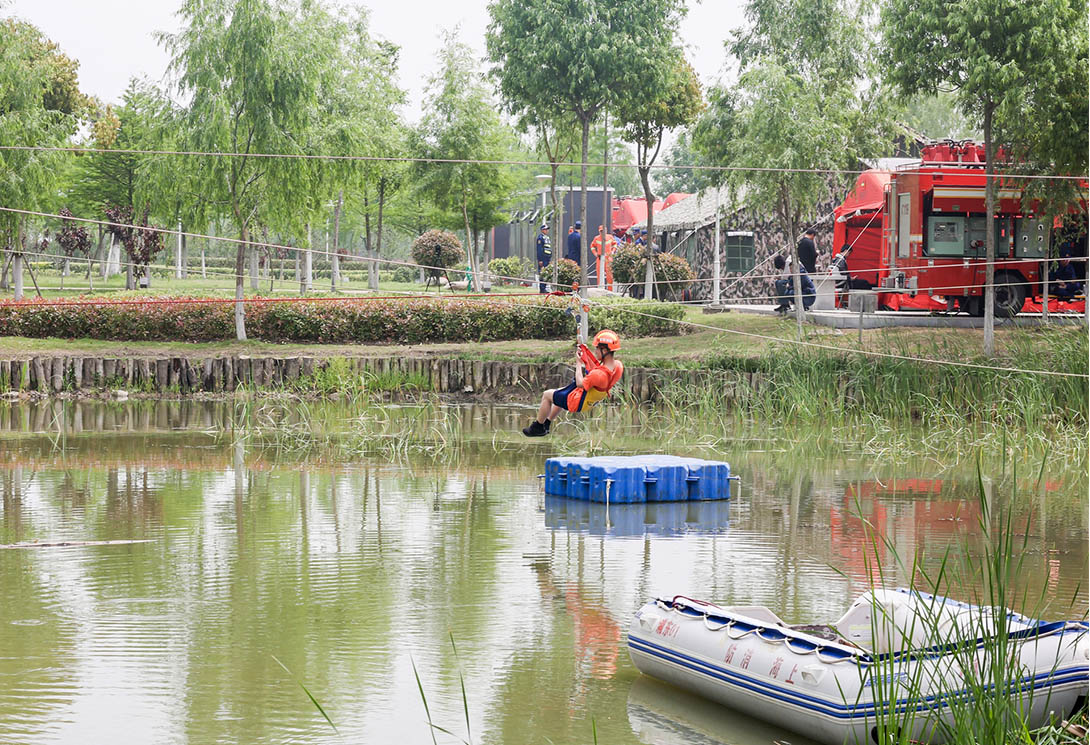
[715, 255]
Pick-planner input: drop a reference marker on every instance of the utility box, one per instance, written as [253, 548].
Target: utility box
[946, 235]
[1031, 238]
[862, 301]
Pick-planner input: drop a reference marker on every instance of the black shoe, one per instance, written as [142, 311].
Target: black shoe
[548, 425]
[536, 429]
[782, 309]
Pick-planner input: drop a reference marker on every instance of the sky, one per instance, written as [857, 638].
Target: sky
[114, 40]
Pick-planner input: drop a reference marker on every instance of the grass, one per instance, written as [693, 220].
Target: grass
[971, 678]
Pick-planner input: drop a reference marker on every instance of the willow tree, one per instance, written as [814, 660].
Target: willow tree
[578, 56]
[40, 104]
[670, 99]
[253, 71]
[1001, 58]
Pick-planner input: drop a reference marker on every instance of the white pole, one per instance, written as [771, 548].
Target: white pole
[715, 256]
[178, 253]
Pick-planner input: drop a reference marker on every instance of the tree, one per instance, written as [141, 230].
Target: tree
[667, 100]
[461, 124]
[1005, 60]
[40, 105]
[557, 55]
[682, 153]
[253, 72]
[805, 102]
[73, 239]
[145, 120]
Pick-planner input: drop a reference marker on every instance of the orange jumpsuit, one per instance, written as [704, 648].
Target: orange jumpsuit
[604, 259]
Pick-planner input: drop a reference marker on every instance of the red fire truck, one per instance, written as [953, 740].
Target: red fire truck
[917, 233]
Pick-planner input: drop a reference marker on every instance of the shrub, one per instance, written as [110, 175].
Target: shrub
[672, 273]
[512, 266]
[567, 273]
[616, 314]
[438, 248]
[331, 321]
[404, 274]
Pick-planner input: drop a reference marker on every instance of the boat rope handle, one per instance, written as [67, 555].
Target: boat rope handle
[716, 628]
[743, 635]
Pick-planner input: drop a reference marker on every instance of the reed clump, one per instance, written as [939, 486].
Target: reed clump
[977, 691]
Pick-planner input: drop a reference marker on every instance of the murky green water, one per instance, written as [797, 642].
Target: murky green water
[352, 567]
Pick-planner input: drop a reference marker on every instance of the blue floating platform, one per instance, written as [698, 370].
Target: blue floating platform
[637, 478]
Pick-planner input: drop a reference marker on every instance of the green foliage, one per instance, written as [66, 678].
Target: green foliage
[437, 248]
[682, 153]
[29, 115]
[145, 119]
[806, 100]
[567, 273]
[461, 123]
[938, 117]
[1021, 67]
[403, 274]
[672, 273]
[409, 321]
[654, 319]
[512, 266]
[553, 56]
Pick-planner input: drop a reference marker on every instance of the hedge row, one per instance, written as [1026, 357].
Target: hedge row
[407, 321]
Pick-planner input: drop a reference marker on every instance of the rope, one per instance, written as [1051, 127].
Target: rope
[472, 161]
[866, 352]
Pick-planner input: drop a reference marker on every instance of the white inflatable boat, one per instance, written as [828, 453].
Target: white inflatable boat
[834, 683]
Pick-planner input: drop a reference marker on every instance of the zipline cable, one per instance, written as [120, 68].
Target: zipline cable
[866, 352]
[474, 161]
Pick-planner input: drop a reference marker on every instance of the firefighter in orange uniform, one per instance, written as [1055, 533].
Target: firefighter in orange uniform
[588, 388]
[603, 259]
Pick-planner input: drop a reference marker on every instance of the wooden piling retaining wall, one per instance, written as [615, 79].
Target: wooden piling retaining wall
[183, 376]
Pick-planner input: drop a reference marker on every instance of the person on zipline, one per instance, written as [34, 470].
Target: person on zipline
[595, 374]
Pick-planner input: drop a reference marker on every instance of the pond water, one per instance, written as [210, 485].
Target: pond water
[424, 543]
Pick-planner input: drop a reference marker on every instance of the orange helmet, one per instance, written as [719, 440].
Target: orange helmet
[608, 339]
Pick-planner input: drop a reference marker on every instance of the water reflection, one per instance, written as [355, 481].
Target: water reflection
[655, 518]
[346, 566]
[660, 714]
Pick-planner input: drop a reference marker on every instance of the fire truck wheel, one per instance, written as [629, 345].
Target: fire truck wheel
[1010, 294]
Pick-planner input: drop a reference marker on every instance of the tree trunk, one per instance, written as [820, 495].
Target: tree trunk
[17, 273]
[989, 233]
[240, 269]
[649, 198]
[185, 252]
[178, 252]
[5, 258]
[601, 268]
[558, 222]
[470, 249]
[254, 277]
[306, 281]
[583, 205]
[335, 274]
[378, 230]
[372, 273]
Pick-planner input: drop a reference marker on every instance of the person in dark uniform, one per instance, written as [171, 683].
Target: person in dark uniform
[808, 251]
[544, 256]
[575, 243]
[1065, 278]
